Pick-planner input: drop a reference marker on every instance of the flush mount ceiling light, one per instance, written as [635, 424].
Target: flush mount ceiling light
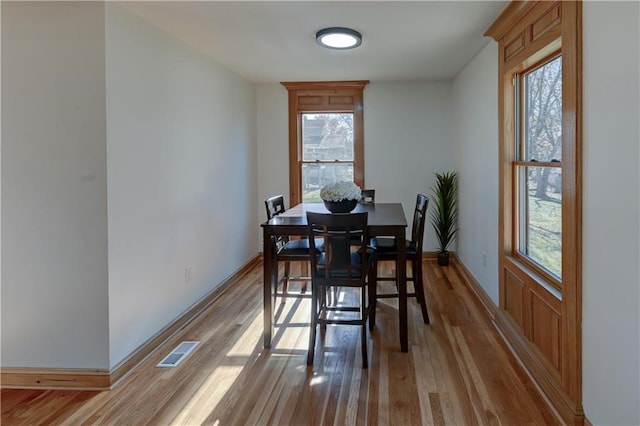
[339, 38]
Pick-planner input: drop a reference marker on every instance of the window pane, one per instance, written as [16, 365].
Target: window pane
[315, 176]
[327, 137]
[543, 112]
[540, 215]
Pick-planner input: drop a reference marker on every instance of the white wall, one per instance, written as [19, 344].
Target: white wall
[611, 225]
[273, 146]
[182, 177]
[475, 134]
[407, 132]
[54, 186]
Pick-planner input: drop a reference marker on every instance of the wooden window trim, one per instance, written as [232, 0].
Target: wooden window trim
[323, 96]
[527, 32]
[543, 276]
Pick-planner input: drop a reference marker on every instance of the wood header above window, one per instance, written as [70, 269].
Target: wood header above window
[327, 95]
[324, 85]
[510, 16]
[525, 27]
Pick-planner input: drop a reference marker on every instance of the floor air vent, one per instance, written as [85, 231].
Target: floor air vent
[176, 356]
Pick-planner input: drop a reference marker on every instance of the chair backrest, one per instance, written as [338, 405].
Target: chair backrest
[368, 196]
[419, 217]
[341, 262]
[274, 206]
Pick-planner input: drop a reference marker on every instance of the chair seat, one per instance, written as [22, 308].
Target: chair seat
[386, 245]
[356, 260]
[299, 248]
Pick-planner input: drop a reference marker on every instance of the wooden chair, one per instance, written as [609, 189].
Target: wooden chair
[287, 250]
[386, 249]
[368, 196]
[339, 265]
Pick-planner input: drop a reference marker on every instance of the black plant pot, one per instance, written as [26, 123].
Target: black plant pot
[342, 206]
[443, 259]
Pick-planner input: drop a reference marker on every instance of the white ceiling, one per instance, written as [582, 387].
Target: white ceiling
[272, 41]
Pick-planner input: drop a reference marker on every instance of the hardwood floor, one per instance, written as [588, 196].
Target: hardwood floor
[457, 371]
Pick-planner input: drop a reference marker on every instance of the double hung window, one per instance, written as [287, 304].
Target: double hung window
[538, 168]
[327, 151]
[540, 202]
[326, 141]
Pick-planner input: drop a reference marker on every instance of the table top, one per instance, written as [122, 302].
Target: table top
[380, 214]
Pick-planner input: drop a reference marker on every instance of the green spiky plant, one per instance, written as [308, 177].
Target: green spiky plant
[444, 216]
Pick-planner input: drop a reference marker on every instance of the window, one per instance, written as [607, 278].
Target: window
[327, 151]
[538, 168]
[540, 200]
[326, 141]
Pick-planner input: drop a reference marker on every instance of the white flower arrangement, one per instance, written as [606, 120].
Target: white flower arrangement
[339, 191]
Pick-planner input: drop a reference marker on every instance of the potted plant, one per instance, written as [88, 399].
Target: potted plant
[444, 216]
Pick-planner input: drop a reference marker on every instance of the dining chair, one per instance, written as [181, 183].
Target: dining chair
[368, 196]
[385, 248]
[340, 264]
[287, 250]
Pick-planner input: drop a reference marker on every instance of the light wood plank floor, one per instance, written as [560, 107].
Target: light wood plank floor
[457, 371]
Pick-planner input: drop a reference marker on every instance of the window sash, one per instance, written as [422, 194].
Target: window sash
[538, 221]
[546, 98]
[527, 217]
[334, 138]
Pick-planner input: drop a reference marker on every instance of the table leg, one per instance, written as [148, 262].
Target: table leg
[267, 250]
[401, 271]
[373, 279]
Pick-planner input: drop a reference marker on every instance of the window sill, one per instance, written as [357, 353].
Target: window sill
[514, 262]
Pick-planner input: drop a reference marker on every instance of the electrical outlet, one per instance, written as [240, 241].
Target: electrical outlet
[187, 274]
[484, 259]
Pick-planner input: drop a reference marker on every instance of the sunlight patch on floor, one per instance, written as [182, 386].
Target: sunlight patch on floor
[216, 386]
[246, 344]
[317, 380]
[202, 404]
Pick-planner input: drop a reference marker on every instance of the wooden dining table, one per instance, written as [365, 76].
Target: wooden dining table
[384, 219]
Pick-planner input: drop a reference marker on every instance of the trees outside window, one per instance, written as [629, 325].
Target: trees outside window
[327, 151]
[538, 165]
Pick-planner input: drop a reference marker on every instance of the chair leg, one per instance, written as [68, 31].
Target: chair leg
[363, 315]
[336, 292]
[285, 282]
[274, 274]
[416, 265]
[332, 295]
[373, 294]
[303, 286]
[324, 302]
[314, 323]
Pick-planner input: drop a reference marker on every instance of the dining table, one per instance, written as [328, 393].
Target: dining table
[384, 219]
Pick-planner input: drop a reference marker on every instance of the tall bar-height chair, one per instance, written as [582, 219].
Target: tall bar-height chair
[368, 196]
[287, 250]
[386, 249]
[339, 265]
